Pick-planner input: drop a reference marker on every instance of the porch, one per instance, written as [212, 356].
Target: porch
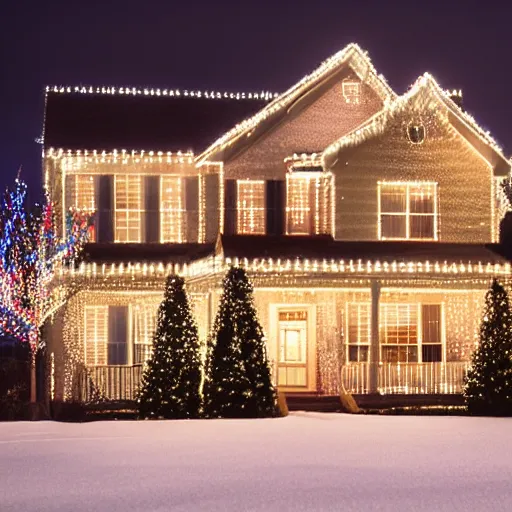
[405, 378]
[121, 383]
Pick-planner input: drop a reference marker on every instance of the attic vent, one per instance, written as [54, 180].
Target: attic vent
[416, 133]
[351, 91]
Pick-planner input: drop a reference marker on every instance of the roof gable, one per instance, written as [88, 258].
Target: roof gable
[425, 93]
[352, 55]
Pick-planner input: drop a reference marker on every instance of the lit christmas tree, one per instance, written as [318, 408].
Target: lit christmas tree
[488, 387]
[170, 386]
[238, 381]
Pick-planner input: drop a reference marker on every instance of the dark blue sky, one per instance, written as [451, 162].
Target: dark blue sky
[240, 46]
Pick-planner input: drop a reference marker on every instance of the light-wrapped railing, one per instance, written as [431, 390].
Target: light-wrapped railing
[112, 383]
[356, 378]
[407, 378]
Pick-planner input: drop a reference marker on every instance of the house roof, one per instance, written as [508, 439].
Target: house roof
[425, 91]
[105, 119]
[119, 253]
[351, 54]
[325, 247]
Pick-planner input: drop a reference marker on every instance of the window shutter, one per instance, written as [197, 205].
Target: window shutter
[212, 207]
[270, 194]
[230, 200]
[118, 335]
[105, 213]
[276, 203]
[191, 227]
[151, 189]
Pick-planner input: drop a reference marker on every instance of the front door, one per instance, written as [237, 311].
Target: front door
[292, 357]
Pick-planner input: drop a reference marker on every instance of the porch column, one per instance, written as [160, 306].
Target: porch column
[374, 343]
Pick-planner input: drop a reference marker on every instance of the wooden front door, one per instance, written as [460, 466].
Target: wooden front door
[292, 357]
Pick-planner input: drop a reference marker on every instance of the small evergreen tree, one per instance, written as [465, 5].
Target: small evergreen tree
[488, 388]
[170, 386]
[238, 381]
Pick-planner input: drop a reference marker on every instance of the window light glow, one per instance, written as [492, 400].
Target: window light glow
[171, 209]
[251, 207]
[407, 211]
[128, 208]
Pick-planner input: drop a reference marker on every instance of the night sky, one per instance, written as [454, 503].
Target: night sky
[240, 46]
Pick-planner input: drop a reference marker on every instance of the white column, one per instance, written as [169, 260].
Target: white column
[374, 342]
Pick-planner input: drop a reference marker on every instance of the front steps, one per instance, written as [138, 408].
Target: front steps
[322, 403]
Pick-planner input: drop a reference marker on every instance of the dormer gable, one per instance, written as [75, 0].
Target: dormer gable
[300, 95]
[425, 97]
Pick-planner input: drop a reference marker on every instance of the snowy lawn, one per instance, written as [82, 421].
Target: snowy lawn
[307, 461]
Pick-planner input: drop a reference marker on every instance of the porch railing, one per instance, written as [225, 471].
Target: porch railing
[112, 383]
[407, 378]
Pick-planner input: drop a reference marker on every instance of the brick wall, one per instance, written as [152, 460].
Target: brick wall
[311, 124]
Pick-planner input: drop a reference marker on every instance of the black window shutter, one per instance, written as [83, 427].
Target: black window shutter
[191, 227]
[213, 209]
[152, 208]
[276, 204]
[230, 199]
[118, 335]
[270, 199]
[105, 214]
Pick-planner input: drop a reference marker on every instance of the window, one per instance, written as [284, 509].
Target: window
[128, 208]
[171, 209]
[84, 197]
[431, 344]
[81, 203]
[351, 91]
[144, 325]
[358, 332]
[416, 133]
[309, 203]
[251, 207]
[410, 333]
[96, 335]
[408, 211]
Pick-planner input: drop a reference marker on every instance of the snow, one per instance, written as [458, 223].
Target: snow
[307, 461]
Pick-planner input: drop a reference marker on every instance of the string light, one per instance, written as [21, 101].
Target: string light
[351, 54]
[145, 91]
[421, 94]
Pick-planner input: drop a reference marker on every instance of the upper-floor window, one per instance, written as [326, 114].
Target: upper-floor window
[128, 208]
[351, 91]
[171, 209]
[84, 195]
[408, 211]
[309, 203]
[251, 207]
[83, 200]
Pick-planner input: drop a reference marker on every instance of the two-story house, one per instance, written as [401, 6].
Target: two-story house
[367, 222]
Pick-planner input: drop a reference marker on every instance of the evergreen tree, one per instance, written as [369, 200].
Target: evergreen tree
[488, 388]
[238, 382]
[170, 386]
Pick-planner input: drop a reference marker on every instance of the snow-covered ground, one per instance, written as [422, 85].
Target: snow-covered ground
[307, 461]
